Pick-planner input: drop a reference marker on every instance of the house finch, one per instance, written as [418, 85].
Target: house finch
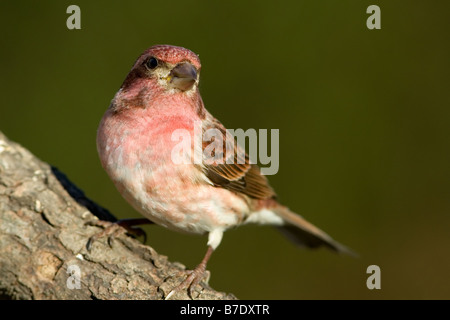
[135, 143]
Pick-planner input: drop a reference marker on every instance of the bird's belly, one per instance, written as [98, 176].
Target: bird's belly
[176, 196]
[172, 198]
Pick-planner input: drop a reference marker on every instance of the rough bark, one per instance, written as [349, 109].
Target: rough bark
[43, 231]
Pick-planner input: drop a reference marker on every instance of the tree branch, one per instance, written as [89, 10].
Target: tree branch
[43, 231]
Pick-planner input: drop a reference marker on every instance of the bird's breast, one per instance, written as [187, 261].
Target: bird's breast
[139, 158]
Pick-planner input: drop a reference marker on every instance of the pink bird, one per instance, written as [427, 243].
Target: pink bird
[135, 143]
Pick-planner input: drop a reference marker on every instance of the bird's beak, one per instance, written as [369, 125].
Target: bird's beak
[183, 76]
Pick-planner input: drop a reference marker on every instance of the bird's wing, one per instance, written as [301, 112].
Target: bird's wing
[234, 172]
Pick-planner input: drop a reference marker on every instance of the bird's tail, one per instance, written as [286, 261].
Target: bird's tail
[305, 234]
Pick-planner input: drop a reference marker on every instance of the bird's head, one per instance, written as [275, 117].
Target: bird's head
[162, 70]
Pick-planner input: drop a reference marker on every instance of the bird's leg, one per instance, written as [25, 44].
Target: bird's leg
[114, 229]
[194, 277]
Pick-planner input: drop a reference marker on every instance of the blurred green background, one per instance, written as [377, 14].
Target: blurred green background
[363, 116]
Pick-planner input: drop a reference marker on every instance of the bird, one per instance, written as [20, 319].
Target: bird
[135, 142]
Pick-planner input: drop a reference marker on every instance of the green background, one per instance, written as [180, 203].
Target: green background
[363, 118]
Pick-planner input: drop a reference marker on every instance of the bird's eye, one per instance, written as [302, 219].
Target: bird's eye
[152, 63]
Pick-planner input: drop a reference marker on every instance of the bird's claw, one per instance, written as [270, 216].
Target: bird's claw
[113, 230]
[192, 280]
[110, 230]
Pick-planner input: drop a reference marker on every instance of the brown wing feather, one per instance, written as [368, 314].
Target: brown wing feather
[240, 176]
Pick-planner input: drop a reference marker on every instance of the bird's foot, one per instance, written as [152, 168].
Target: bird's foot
[192, 280]
[114, 229]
